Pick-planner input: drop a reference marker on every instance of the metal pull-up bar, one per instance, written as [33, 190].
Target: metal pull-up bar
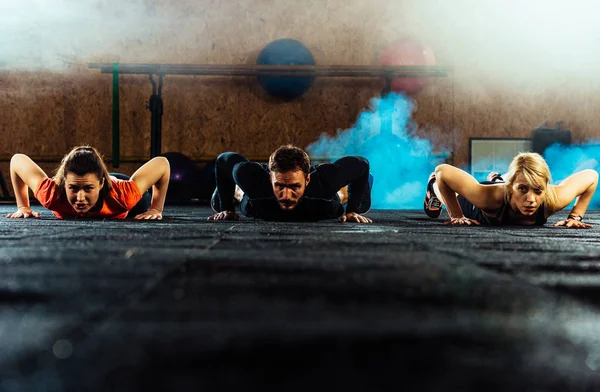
[155, 103]
[276, 70]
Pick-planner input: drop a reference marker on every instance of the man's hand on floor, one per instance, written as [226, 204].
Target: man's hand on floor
[354, 217]
[224, 215]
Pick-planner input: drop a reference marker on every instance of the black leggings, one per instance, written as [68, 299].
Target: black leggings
[143, 205]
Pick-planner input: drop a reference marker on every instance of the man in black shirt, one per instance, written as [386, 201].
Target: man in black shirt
[288, 188]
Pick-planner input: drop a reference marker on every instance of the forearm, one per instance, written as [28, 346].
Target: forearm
[159, 193]
[448, 194]
[356, 173]
[20, 189]
[583, 201]
[356, 192]
[580, 186]
[224, 166]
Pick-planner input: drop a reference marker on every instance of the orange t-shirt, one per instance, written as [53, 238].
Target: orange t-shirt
[123, 196]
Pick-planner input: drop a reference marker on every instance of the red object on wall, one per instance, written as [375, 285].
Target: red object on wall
[407, 51]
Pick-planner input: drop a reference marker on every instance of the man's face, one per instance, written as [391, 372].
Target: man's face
[82, 191]
[289, 187]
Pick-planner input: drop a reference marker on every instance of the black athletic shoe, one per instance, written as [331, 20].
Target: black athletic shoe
[433, 205]
[495, 177]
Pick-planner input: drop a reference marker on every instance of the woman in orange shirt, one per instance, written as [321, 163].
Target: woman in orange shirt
[83, 188]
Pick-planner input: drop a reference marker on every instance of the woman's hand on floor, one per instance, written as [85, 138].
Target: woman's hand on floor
[150, 214]
[572, 223]
[462, 221]
[23, 212]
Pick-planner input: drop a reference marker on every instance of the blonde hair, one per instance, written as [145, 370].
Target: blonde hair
[537, 174]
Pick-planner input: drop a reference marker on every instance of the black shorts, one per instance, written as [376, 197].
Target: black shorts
[472, 212]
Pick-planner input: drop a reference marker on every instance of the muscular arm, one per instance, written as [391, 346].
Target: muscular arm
[25, 174]
[154, 173]
[225, 165]
[582, 186]
[451, 180]
[354, 172]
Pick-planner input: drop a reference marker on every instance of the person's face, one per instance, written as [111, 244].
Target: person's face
[289, 187]
[526, 198]
[82, 191]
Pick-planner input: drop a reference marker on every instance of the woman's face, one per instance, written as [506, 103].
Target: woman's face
[526, 198]
[82, 191]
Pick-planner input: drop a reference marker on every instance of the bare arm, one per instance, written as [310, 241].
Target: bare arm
[25, 174]
[155, 173]
[451, 180]
[580, 186]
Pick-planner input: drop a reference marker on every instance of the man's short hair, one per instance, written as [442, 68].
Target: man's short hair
[289, 158]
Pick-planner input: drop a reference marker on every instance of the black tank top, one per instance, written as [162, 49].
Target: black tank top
[503, 218]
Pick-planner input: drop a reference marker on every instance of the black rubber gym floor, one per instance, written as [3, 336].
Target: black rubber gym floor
[405, 303]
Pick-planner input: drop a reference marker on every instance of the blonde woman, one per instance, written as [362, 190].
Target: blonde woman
[525, 198]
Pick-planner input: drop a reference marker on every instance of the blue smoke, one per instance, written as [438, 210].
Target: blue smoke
[400, 161]
[484, 166]
[566, 160]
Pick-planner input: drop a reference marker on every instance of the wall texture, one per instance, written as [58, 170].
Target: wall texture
[50, 105]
